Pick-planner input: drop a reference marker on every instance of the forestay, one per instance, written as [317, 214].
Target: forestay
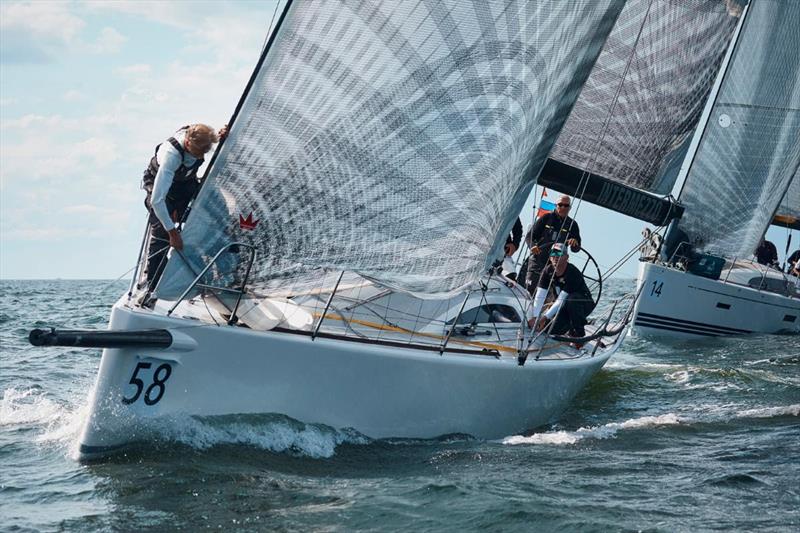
[398, 140]
[635, 116]
[750, 148]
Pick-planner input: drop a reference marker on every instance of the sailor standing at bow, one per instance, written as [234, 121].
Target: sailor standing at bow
[170, 181]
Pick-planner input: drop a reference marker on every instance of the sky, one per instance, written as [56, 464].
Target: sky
[89, 88]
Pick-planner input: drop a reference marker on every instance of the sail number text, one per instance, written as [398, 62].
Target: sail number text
[656, 290]
[155, 390]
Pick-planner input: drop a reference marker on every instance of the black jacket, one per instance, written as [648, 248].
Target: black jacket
[550, 229]
[515, 237]
[571, 281]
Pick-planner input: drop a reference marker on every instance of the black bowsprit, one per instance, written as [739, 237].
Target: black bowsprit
[151, 338]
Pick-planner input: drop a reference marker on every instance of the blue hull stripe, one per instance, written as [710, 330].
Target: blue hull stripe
[689, 324]
[655, 325]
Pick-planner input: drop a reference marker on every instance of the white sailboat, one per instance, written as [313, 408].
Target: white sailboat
[338, 258]
[644, 117]
[701, 280]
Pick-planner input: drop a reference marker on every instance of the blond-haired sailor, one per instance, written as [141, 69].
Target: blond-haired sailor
[171, 182]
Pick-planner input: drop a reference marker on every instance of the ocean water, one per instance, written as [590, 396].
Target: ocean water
[679, 437]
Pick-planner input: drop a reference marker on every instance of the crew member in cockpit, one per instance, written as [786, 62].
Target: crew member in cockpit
[767, 254]
[574, 302]
[554, 227]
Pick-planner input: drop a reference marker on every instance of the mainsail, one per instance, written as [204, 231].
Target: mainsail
[398, 140]
[634, 119]
[750, 149]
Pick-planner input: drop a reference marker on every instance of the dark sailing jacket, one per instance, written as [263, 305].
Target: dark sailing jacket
[550, 229]
[184, 183]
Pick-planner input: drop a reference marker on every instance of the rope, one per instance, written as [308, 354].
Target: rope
[269, 30]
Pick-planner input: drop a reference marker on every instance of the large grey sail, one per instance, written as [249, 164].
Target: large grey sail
[750, 148]
[398, 140]
[639, 107]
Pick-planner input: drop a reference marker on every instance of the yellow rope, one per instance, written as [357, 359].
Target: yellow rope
[397, 329]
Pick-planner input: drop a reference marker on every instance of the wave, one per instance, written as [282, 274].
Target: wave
[711, 414]
[60, 425]
[57, 424]
[605, 431]
[27, 407]
[770, 412]
[275, 433]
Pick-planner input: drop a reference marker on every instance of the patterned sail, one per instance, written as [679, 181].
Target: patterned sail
[789, 210]
[397, 140]
[636, 114]
[750, 149]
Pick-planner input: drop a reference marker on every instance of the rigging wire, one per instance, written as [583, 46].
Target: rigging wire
[584, 181]
[269, 30]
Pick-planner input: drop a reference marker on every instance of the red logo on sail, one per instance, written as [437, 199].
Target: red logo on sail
[248, 223]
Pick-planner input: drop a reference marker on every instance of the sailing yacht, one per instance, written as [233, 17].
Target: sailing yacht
[338, 260]
[700, 281]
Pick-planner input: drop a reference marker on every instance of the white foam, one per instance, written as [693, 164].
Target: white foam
[769, 412]
[598, 432]
[277, 436]
[27, 408]
[551, 437]
[681, 376]
[31, 408]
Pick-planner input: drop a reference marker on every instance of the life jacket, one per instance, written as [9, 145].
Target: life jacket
[184, 183]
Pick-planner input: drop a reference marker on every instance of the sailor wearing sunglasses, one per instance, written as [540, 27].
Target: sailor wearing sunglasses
[574, 302]
[548, 229]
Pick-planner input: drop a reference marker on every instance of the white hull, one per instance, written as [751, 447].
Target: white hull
[675, 304]
[380, 390]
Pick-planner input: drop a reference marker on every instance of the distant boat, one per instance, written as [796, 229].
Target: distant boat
[700, 281]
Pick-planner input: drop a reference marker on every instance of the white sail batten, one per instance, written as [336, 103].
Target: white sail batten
[637, 111]
[397, 140]
[750, 149]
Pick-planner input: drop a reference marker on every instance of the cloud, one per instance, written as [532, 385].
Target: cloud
[33, 32]
[109, 42]
[88, 209]
[101, 151]
[207, 24]
[41, 31]
[134, 70]
[42, 18]
[176, 14]
[73, 96]
[32, 233]
[72, 169]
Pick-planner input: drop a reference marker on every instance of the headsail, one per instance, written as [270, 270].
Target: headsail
[394, 139]
[633, 121]
[788, 214]
[750, 149]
